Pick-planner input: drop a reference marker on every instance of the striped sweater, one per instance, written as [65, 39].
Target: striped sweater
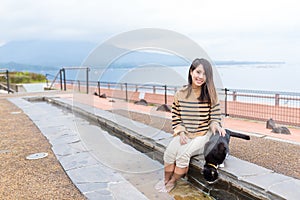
[191, 115]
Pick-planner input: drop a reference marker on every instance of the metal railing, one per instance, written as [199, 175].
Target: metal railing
[7, 86]
[283, 107]
[141, 88]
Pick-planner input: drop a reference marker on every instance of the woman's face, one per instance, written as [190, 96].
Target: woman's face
[198, 76]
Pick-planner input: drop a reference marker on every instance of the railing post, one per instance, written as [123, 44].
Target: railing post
[64, 77]
[136, 88]
[226, 113]
[165, 86]
[79, 85]
[154, 89]
[47, 82]
[277, 99]
[87, 80]
[99, 88]
[7, 81]
[126, 91]
[234, 96]
[60, 77]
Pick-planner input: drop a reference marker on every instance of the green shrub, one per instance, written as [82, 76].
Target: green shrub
[24, 77]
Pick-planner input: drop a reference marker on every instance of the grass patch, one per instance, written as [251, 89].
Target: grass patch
[24, 77]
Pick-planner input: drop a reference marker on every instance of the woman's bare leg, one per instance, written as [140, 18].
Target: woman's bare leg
[169, 170]
[178, 173]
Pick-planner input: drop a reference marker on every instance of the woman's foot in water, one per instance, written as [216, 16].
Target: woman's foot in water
[170, 186]
[161, 186]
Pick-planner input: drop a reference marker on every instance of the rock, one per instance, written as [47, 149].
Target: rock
[270, 124]
[103, 96]
[277, 129]
[282, 130]
[164, 108]
[95, 93]
[285, 130]
[141, 102]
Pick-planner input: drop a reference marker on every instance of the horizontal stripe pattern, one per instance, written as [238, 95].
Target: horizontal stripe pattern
[192, 115]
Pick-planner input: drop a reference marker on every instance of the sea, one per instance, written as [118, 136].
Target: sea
[281, 77]
[266, 77]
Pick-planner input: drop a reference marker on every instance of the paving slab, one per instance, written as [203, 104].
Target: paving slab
[77, 160]
[88, 187]
[101, 194]
[123, 191]
[66, 137]
[288, 189]
[266, 181]
[94, 174]
[67, 149]
[269, 181]
[57, 131]
[240, 168]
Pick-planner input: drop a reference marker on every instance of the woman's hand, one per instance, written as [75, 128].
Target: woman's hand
[183, 138]
[216, 127]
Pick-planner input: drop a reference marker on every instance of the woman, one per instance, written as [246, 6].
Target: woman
[195, 116]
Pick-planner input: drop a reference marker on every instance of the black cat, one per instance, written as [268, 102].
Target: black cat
[215, 151]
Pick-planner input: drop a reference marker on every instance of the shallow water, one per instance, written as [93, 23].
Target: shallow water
[186, 191]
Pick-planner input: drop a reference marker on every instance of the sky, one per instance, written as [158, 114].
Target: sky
[253, 30]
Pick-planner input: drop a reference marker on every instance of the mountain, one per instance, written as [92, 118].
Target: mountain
[40, 55]
[13, 66]
[29, 55]
[233, 62]
[140, 58]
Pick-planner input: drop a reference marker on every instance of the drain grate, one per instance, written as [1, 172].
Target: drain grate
[37, 156]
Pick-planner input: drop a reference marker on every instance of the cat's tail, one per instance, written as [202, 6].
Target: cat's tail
[238, 135]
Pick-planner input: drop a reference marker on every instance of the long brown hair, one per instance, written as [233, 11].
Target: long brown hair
[208, 91]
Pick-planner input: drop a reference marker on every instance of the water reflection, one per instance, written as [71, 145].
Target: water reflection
[185, 191]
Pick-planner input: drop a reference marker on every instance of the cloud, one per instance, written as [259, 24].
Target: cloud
[216, 24]
[55, 17]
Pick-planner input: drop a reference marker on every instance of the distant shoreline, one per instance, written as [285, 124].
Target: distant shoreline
[13, 66]
[248, 62]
